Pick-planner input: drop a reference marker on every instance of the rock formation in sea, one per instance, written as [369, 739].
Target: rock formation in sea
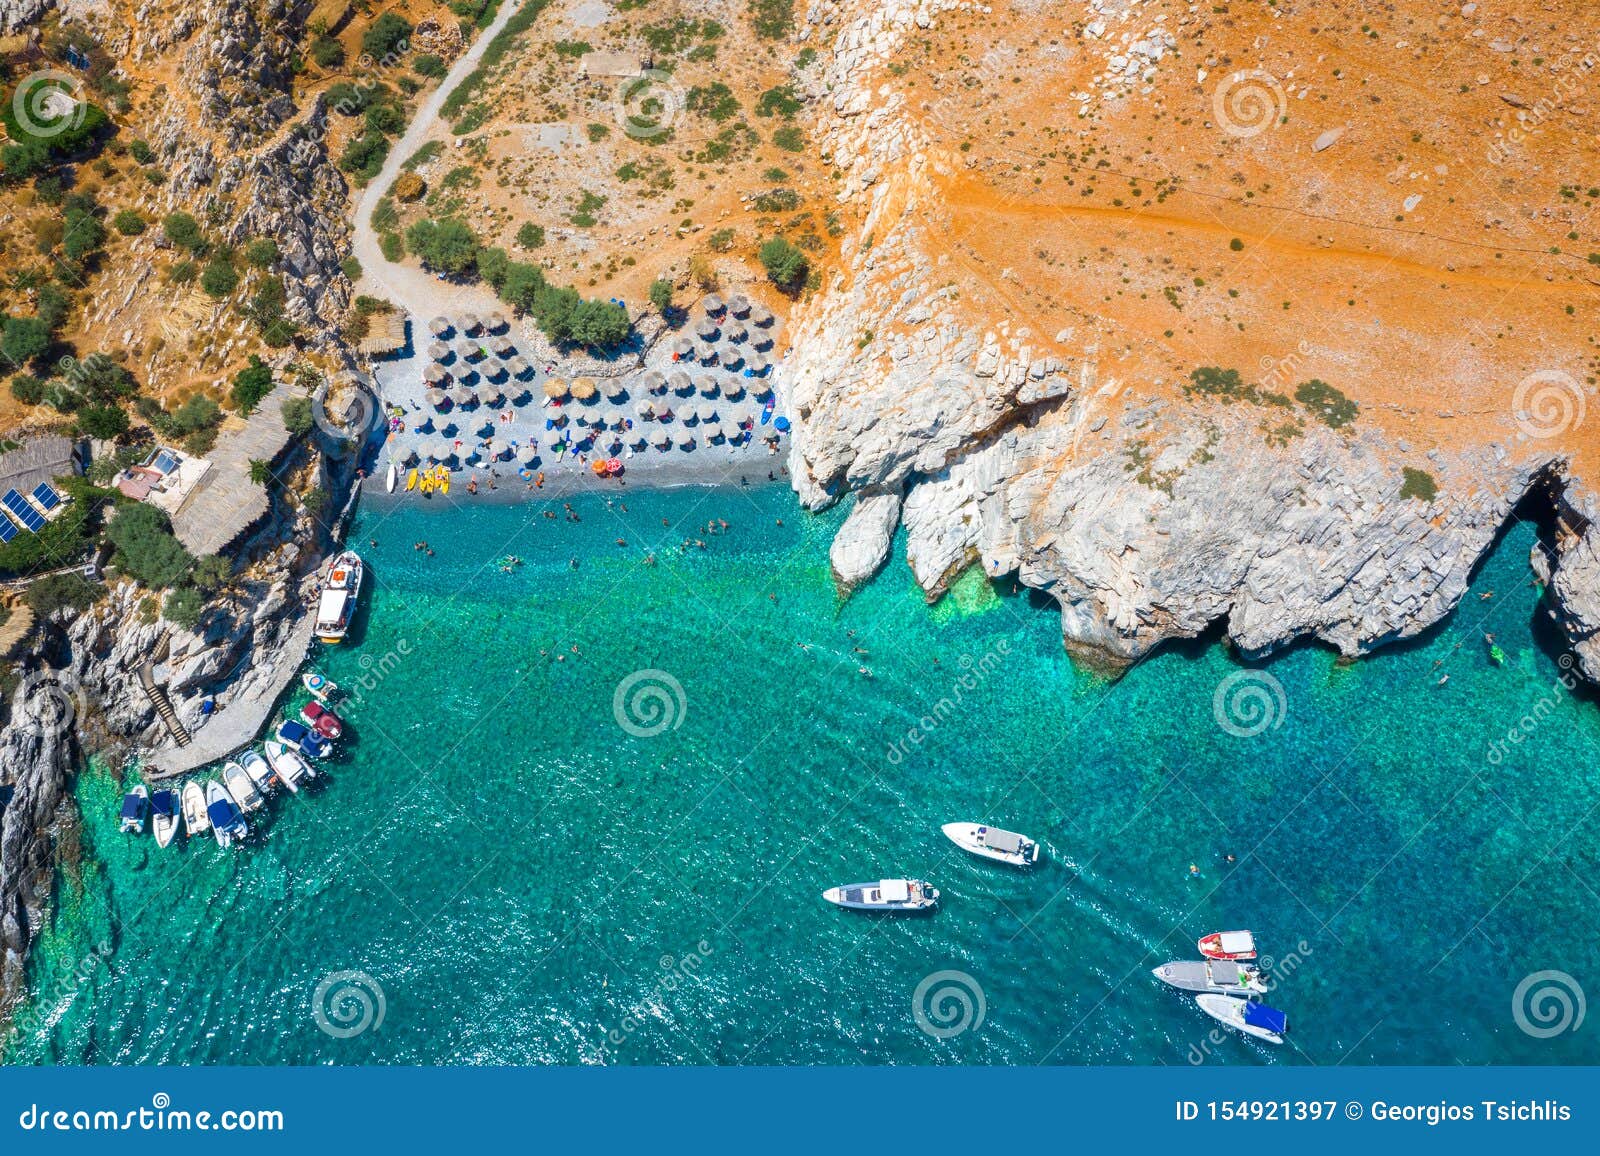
[1068, 446]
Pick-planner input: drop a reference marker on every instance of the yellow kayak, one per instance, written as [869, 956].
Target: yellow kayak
[411, 480]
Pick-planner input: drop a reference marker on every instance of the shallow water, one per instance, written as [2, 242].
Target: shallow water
[526, 881]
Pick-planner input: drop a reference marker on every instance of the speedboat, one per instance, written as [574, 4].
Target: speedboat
[195, 818]
[164, 817]
[1228, 945]
[290, 768]
[1214, 975]
[260, 773]
[993, 843]
[320, 688]
[337, 605]
[134, 805]
[884, 895]
[322, 720]
[240, 789]
[1242, 1015]
[226, 822]
[299, 737]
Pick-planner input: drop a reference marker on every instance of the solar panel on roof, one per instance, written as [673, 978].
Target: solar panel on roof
[30, 518]
[46, 496]
[8, 530]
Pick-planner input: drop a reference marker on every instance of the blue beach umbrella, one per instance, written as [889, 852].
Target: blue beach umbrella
[781, 423]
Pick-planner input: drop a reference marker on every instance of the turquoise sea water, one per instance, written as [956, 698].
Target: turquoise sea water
[526, 881]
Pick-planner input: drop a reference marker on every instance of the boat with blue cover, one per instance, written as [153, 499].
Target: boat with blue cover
[1247, 1016]
[299, 737]
[134, 805]
[165, 817]
[226, 823]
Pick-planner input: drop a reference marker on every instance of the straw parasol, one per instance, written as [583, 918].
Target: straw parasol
[760, 315]
[759, 389]
[706, 330]
[555, 388]
[438, 350]
[733, 359]
[614, 388]
[706, 412]
[680, 383]
[762, 341]
[470, 323]
[408, 456]
[713, 303]
[436, 397]
[526, 453]
[434, 374]
[463, 395]
[518, 366]
[583, 388]
[645, 408]
[733, 389]
[706, 384]
[439, 326]
[466, 350]
[502, 347]
[739, 305]
[651, 381]
[490, 395]
[683, 347]
[496, 372]
[441, 450]
[498, 448]
[495, 322]
[735, 332]
[664, 440]
[688, 442]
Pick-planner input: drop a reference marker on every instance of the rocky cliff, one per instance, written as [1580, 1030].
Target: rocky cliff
[1063, 444]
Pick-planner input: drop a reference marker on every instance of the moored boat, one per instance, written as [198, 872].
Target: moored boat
[993, 843]
[1224, 977]
[291, 769]
[1242, 1015]
[299, 737]
[260, 773]
[337, 605]
[240, 789]
[884, 895]
[320, 688]
[322, 720]
[164, 817]
[195, 819]
[134, 805]
[226, 823]
[391, 478]
[1228, 945]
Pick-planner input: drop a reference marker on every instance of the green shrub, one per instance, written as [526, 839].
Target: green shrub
[219, 278]
[297, 416]
[145, 546]
[385, 36]
[27, 389]
[212, 571]
[184, 231]
[392, 246]
[250, 385]
[1418, 484]
[261, 252]
[107, 422]
[429, 65]
[786, 265]
[128, 222]
[23, 338]
[530, 236]
[183, 607]
[141, 151]
[661, 294]
[327, 52]
[772, 19]
[790, 139]
[54, 592]
[448, 246]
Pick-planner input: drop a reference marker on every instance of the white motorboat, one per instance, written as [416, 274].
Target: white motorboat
[337, 605]
[226, 823]
[319, 687]
[240, 789]
[260, 773]
[884, 895]
[993, 843]
[1242, 1015]
[195, 819]
[165, 817]
[1222, 977]
[134, 806]
[291, 769]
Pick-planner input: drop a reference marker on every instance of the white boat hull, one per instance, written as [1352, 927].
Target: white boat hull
[290, 768]
[193, 803]
[392, 479]
[1227, 1010]
[966, 836]
[240, 789]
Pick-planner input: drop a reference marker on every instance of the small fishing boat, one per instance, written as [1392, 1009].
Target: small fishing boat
[164, 816]
[993, 843]
[1242, 1015]
[884, 895]
[322, 720]
[1213, 975]
[337, 605]
[291, 769]
[134, 805]
[195, 819]
[322, 689]
[1228, 945]
[299, 737]
[260, 773]
[392, 478]
[240, 789]
[226, 823]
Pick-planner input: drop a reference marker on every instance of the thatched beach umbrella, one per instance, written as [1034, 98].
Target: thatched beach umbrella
[664, 440]
[706, 412]
[518, 366]
[615, 388]
[439, 326]
[436, 398]
[498, 449]
[408, 456]
[435, 374]
[762, 341]
[484, 427]
[760, 315]
[527, 452]
[682, 347]
[470, 323]
[733, 389]
[490, 395]
[651, 381]
[645, 409]
[441, 450]
[713, 303]
[467, 350]
[438, 350]
[463, 395]
[732, 359]
[759, 388]
[688, 442]
[735, 331]
[501, 347]
[496, 371]
[739, 305]
[584, 388]
[707, 385]
[555, 388]
[495, 322]
[679, 383]
[706, 330]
